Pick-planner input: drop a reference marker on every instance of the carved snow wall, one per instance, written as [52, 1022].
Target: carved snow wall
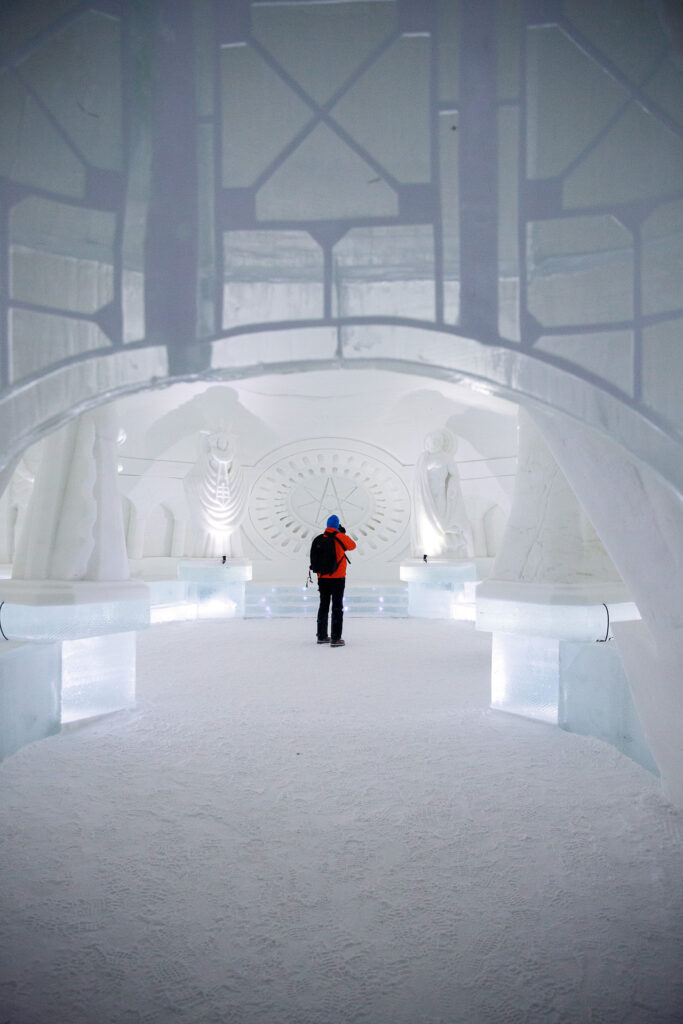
[298, 486]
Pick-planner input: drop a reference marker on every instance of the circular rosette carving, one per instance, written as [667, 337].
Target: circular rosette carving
[293, 497]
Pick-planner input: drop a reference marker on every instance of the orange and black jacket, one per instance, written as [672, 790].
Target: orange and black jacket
[342, 543]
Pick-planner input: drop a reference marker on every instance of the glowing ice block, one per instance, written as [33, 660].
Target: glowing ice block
[581, 687]
[45, 611]
[595, 699]
[169, 601]
[166, 592]
[440, 589]
[557, 610]
[211, 570]
[98, 676]
[29, 694]
[525, 676]
[216, 590]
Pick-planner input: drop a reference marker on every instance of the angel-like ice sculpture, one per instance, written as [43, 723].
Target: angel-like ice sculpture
[440, 525]
[216, 491]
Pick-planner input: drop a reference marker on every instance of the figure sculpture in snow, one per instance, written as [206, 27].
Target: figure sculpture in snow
[73, 529]
[20, 491]
[216, 494]
[440, 526]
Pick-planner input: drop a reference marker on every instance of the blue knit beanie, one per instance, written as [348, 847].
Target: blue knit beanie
[333, 521]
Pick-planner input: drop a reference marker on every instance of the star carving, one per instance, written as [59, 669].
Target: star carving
[335, 496]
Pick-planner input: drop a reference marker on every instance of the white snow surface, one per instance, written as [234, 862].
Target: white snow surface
[283, 833]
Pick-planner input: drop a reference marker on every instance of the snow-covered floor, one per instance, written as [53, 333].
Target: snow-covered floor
[287, 833]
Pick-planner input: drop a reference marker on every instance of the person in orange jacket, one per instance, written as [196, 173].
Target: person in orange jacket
[331, 587]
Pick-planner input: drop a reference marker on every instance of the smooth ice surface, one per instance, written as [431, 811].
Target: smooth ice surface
[581, 687]
[438, 572]
[525, 676]
[441, 601]
[30, 677]
[216, 591]
[98, 676]
[212, 571]
[571, 612]
[282, 832]
[50, 623]
[440, 590]
[605, 711]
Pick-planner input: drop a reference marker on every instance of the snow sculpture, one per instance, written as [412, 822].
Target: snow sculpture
[643, 528]
[553, 592]
[73, 528]
[216, 493]
[20, 490]
[549, 538]
[440, 523]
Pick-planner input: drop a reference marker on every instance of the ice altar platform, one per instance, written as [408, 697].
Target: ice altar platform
[68, 653]
[551, 660]
[45, 611]
[203, 588]
[565, 611]
[69, 648]
[385, 600]
[440, 588]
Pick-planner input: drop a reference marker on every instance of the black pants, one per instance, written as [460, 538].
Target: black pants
[331, 589]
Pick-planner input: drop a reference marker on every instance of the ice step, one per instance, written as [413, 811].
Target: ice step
[269, 601]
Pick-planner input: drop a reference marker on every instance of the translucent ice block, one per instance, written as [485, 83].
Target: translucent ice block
[169, 601]
[217, 590]
[581, 687]
[437, 571]
[440, 601]
[29, 694]
[595, 699]
[563, 611]
[98, 676]
[439, 589]
[219, 601]
[48, 623]
[46, 611]
[211, 570]
[525, 676]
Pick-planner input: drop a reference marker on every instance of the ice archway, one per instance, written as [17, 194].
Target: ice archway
[489, 191]
[493, 189]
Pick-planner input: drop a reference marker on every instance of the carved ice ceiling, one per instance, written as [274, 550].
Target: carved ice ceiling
[490, 188]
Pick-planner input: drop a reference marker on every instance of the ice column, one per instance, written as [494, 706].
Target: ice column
[70, 582]
[549, 539]
[74, 524]
[554, 592]
[640, 518]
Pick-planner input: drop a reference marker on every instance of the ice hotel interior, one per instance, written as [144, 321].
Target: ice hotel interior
[418, 263]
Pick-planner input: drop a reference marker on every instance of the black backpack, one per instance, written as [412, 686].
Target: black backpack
[324, 554]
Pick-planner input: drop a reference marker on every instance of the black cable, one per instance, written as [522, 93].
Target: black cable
[1, 629]
[607, 630]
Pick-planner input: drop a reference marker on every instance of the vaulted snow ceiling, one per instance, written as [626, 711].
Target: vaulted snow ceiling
[487, 189]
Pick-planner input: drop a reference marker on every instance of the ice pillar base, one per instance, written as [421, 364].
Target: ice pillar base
[98, 676]
[46, 611]
[581, 687]
[440, 589]
[216, 590]
[30, 685]
[553, 660]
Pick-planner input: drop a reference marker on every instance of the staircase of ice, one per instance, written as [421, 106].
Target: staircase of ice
[282, 601]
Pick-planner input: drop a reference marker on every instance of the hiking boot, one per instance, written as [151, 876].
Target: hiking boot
[337, 643]
[323, 639]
